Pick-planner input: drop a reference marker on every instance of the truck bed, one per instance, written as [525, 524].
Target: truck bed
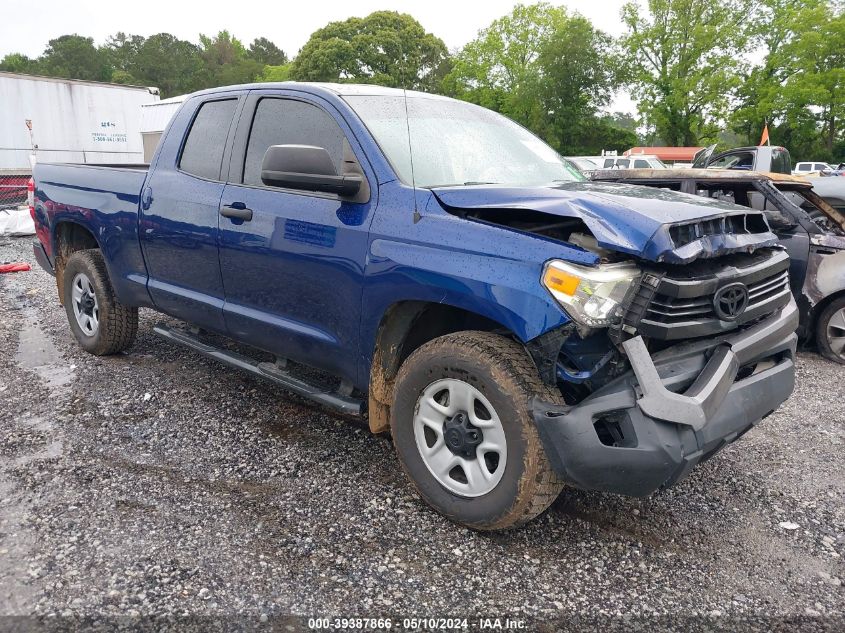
[104, 200]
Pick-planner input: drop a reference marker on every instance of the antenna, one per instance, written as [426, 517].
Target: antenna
[417, 216]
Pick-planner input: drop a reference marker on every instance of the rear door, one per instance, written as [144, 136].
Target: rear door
[180, 206]
[293, 273]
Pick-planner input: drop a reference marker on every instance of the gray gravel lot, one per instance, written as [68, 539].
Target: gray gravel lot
[159, 483]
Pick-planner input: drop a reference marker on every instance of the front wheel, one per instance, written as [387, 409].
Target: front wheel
[830, 331]
[462, 426]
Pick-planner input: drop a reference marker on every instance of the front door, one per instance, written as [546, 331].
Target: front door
[292, 272]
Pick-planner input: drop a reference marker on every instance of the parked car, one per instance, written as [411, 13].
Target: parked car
[810, 169]
[812, 231]
[644, 161]
[763, 158]
[512, 336]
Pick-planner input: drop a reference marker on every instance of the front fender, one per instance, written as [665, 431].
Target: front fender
[481, 268]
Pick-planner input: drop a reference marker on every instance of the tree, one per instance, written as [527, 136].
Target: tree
[575, 80]
[815, 63]
[798, 88]
[171, 64]
[547, 69]
[18, 63]
[121, 51]
[386, 48]
[758, 96]
[275, 73]
[684, 57]
[225, 61]
[75, 57]
[266, 52]
[495, 69]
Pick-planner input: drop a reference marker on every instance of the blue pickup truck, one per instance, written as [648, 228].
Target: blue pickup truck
[432, 265]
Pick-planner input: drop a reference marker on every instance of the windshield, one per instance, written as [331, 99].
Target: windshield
[457, 143]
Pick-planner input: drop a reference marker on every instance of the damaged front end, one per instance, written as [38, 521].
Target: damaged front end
[695, 356]
[681, 335]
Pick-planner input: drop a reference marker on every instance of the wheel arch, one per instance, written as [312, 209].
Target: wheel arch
[68, 238]
[819, 308]
[403, 328]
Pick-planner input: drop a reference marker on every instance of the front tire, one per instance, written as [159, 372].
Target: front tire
[830, 331]
[462, 427]
[99, 322]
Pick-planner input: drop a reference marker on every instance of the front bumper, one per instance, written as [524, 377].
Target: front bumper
[648, 428]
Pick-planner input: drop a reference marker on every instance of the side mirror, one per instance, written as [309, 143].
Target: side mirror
[305, 167]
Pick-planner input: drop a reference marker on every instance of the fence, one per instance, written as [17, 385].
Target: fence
[13, 191]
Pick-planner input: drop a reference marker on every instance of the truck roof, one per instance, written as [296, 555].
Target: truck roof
[339, 89]
[698, 174]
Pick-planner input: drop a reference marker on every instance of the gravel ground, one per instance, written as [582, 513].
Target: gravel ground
[157, 483]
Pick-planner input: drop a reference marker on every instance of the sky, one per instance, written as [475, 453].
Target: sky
[288, 24]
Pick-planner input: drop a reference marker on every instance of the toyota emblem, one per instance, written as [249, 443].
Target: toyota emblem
[730, 301]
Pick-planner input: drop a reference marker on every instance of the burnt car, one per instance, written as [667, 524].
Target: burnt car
[811, 230]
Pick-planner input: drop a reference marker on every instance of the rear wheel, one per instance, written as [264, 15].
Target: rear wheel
[101, 324]
[830, 331]
[462, 426]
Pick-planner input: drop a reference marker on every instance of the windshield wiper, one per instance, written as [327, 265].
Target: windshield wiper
[469, 183]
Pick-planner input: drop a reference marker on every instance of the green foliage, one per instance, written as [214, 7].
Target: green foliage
[165, 61]
[275, 73]
[546, 69]
[225, 61]
[500, 68]
[386, 47]
[800, 86]
[17, 63]
[266, 52]
[683, 60]
[74, 57]
[687, 63]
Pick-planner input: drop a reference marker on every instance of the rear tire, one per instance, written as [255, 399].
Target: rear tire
[830, 331]
[481, 385]
[99, 322]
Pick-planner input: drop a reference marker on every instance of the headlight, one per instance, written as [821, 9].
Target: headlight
[589, 295]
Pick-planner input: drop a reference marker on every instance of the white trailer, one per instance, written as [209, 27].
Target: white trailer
[70, 121]
[154, 120]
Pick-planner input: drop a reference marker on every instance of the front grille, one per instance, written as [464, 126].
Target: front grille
[674, 306]
[669, 310]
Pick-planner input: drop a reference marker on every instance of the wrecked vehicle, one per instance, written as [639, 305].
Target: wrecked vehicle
[763, 158]
[434, 266]
[811, 230]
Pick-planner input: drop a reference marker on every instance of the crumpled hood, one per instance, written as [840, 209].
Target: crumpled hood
[630, 218]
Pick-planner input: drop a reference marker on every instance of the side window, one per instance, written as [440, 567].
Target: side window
[288, 122]
[206, 140]
[608, 162]
[804, 167]
[623, 163]
[781, 160]
[741, 160]
[639, 163]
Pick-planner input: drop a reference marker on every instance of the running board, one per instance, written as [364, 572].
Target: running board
[268, 371]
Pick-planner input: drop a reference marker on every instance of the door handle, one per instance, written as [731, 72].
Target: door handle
[236, 211]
